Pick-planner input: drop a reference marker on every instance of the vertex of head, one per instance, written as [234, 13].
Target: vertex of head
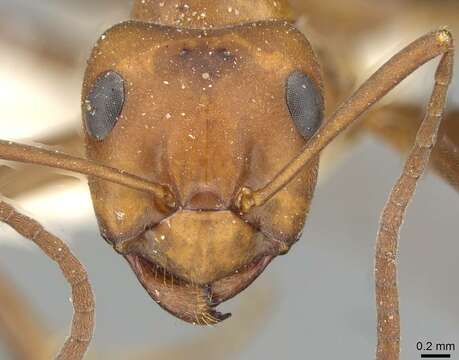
[199, 14]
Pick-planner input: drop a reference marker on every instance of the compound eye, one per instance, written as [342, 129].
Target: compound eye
[104, 104]
[305, 103]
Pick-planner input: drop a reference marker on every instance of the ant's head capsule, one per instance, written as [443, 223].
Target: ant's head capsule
[204, 113]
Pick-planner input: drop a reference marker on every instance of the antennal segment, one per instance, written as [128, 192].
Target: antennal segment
[34, 155]
[385, 79]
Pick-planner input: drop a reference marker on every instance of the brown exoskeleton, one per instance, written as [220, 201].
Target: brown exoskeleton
[178, 94]
[204, 102]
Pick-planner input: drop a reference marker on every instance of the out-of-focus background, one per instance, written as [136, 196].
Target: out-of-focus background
[318, 301]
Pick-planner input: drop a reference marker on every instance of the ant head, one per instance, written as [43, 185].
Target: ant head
[204, 113]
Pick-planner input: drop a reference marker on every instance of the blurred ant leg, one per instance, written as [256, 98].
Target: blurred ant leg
[82, 297]
[387, 297]
[26, 338]
[397, 125]
[445, 158]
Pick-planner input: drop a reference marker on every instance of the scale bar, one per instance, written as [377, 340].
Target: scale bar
[435, 356]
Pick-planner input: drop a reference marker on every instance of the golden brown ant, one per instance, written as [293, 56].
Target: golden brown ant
[203, 126]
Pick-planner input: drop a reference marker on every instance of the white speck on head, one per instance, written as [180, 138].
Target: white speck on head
[120, 215]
